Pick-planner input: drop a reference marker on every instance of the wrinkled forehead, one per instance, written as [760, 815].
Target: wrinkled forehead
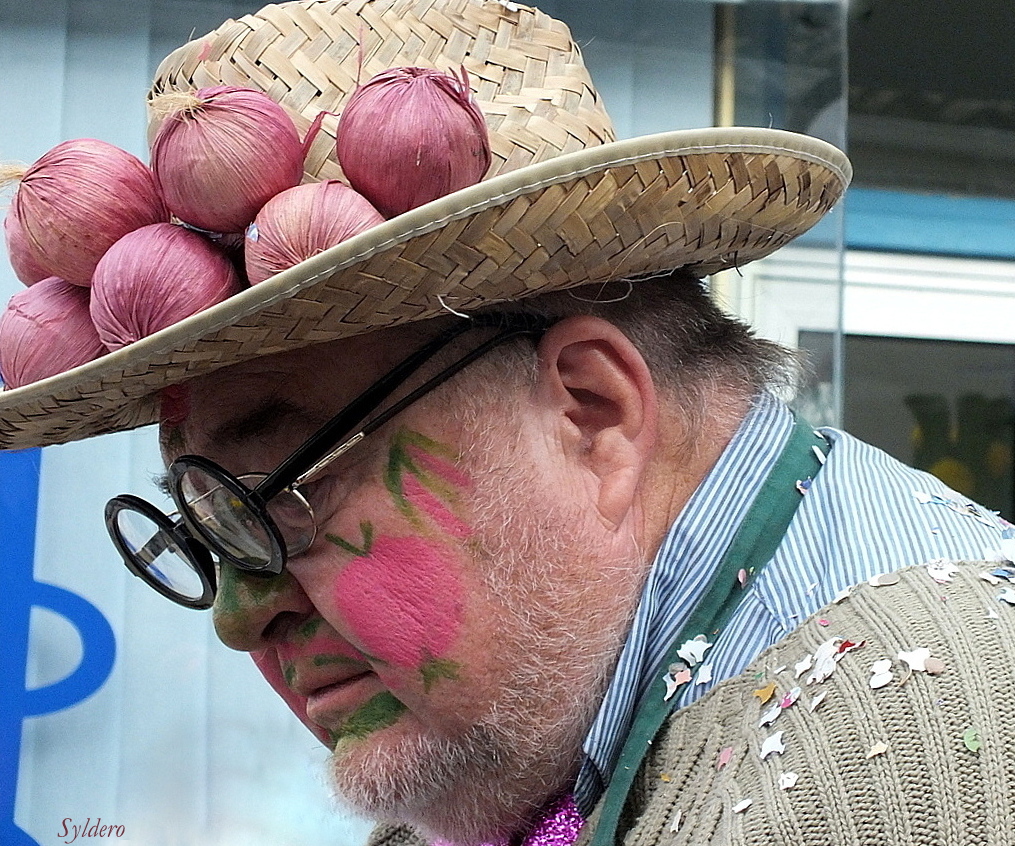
[273, 403]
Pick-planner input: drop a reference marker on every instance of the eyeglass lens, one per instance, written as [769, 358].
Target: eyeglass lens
[158, 555]
[234, 529]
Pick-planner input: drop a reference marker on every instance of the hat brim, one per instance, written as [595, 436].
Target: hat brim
[703, 199]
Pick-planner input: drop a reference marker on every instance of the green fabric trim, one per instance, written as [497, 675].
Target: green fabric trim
[752, 548]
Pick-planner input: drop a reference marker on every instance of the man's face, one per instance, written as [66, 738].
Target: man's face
[447, 634]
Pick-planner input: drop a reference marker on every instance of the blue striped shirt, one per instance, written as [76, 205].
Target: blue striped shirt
[865, 514]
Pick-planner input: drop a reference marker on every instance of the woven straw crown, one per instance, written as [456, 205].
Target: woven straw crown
[563, 205]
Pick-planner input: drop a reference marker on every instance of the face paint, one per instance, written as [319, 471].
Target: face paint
[236, 592]
[402, 600]
[419, 475]
[381, 711]
[402, 596]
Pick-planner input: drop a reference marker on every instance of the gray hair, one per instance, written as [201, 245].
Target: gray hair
[692, 347]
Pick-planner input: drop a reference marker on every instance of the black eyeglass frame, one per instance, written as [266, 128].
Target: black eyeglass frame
[316, 453]
[200, 559]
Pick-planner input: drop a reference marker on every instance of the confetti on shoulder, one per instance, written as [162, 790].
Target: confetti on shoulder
[788, 780]
[877, 749]
[742, 806]
[692, 651]
[941, 570]
[773, 745]
[883, 580]
[765, 693]
[971, 739]
[677, 817]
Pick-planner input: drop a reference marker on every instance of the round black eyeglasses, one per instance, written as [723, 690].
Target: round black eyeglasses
[257, 521]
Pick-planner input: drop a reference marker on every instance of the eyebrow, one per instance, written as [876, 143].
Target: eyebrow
[263, 421]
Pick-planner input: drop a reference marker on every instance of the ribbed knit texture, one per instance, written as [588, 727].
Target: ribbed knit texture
[927, 789]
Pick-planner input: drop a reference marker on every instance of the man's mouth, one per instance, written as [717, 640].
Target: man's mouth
[330, 704]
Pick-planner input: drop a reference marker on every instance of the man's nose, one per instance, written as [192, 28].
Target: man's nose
[254, 612]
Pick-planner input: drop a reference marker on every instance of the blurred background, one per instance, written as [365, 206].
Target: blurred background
[116, 705]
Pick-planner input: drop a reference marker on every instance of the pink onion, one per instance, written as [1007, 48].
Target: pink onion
[302, 222]
[221, 153]
[46, 329]
[22, 256]
[80, 198]
[155, 277]
[411, 135]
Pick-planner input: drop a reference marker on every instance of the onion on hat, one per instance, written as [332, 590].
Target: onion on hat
[302, 222]
[46, 329]
[155, 277]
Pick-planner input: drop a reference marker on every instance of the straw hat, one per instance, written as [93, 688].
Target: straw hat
[915, 752]
[562, 205]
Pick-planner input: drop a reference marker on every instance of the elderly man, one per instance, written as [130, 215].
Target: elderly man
[491, 491]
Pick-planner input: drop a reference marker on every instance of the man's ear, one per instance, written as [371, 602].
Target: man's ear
[599, 389]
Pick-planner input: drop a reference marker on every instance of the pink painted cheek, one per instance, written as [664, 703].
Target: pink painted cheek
[403, 601]
[268, 662]
[438, 467]
[426, 502]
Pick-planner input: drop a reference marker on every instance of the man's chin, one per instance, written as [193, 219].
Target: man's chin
[445, 788]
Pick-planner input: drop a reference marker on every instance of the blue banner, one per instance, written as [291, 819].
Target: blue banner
[19, 489]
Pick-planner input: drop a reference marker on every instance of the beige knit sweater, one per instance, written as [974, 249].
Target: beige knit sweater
[820, 743]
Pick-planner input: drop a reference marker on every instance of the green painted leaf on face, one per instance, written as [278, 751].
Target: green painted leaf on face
[435, 669]
[367, 529]
[381, 711]
[309, 628]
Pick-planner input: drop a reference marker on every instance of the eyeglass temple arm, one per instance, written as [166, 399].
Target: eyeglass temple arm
[318, 450]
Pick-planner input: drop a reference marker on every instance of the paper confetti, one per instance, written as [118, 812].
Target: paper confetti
[877, 749]
[773, 745]
[842, 595]
[803, 665]
[804, 485]
[790, 698]
[941, 571]
[704, 674]
[765, 693]
[990, 579]
[674, 679]
[742, 806]
[665, 777]
[884, 580]
[788, 780]
[971, 739]
[1007, 595]
[822, 458]
[824, 660]
[917, 659]
[742, 577]
[676, 820]
[850, 646]
[966, 509]
[725, 756]
[881, 673]
[824, 622]
[817, 700]
[693, 651]
[770, 716]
